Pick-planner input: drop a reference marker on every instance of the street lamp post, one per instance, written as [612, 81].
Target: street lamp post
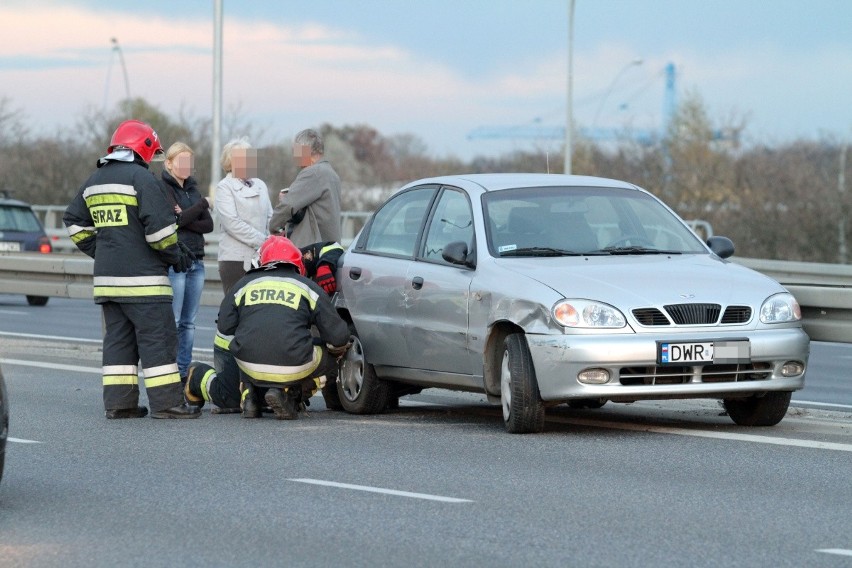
[117, 49]
[569, 120]
[216, 142]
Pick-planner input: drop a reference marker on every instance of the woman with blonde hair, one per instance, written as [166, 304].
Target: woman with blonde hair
[192, 213]
[243, 207]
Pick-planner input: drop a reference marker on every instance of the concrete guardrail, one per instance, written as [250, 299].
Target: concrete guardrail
[823, 290]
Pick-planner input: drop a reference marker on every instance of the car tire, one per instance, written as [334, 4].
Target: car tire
[37, 300]
[359, 390]
[523, 411]
[766, 410]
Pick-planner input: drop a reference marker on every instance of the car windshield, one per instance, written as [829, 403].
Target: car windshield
[20, 219]
[568, 221]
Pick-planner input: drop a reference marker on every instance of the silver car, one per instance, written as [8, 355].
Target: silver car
[541, 289]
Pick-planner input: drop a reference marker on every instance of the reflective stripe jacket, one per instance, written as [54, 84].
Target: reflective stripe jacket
[121, 218]
[270, 314]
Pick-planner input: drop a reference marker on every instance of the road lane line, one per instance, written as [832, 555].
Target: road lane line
[838, 551]
[54, 337]
[13, 313]
[831, 404]
[22, 441]
[54, 366]
[383, 491]
[708, 434]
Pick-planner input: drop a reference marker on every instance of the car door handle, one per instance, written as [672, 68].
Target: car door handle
[355, 273]
[417, 282]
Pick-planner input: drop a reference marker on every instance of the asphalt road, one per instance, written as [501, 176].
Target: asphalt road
[436, 482]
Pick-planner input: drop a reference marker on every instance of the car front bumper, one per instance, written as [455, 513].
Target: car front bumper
[634, 374]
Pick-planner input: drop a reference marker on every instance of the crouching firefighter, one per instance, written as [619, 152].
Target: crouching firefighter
[269, 313]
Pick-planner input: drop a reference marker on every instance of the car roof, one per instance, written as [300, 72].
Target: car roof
[13, 202]
[496, 182]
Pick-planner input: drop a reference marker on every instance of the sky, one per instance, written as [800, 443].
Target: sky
[442, 70]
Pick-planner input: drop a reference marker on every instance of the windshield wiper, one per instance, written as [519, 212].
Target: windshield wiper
[540, 251]
[637, 250]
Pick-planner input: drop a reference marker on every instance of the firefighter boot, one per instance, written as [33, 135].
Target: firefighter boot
[192, 388]
[250, 404]
[138, 412]
[281, 404]
[182, 410]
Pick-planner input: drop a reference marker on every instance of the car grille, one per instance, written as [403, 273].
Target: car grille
[692, 314]
[677, 375]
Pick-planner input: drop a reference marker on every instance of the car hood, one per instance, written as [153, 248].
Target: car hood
[650, 280]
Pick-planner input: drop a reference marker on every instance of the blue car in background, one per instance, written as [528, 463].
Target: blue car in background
[21, 231]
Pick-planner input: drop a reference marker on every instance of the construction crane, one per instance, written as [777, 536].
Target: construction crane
[537, 131]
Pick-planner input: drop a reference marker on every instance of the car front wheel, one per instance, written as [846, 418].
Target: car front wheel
[359, 390]
[766, 410]
[37, 300]
[523, 411]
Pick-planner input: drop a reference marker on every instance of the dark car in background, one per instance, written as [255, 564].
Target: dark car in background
[21, 231]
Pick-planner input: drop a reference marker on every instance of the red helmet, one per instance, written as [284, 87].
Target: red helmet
[277, 249]
[139, 137]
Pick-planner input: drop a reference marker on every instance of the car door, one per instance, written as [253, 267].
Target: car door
[374, 275]
[437, 292]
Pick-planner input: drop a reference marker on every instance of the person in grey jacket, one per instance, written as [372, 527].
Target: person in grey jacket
[312, 205]
[243, 207]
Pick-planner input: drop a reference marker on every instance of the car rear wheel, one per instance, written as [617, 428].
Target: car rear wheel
[359, 390]
[37, 300]
[523, 410]
[766, 410]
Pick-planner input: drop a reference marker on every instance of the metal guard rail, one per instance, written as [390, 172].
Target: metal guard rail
[823, 290]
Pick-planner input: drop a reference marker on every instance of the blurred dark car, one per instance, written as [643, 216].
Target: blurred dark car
[21, 231]
[4, 422]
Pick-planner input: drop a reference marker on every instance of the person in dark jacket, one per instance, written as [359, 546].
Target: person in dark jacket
[193, 221]
[270, 313]
[121, 218]
[220, 383]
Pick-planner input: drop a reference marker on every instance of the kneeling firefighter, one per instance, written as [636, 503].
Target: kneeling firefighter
[270, 313]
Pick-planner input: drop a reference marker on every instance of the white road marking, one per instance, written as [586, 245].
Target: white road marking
[795, 442]
[13, 313]
[383, 491]
[709, 434]
[54, 366]
[22, 441]
[55, 337]
[838, 551]
[831, 404]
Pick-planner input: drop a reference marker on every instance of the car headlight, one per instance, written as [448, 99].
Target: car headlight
[586, 313]
[780, 308]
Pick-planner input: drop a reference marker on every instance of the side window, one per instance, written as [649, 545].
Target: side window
[396, 226]
[452, 221]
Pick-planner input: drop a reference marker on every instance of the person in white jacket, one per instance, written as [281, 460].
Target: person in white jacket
[243, 208]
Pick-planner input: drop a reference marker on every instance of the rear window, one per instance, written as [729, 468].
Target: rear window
[20, 219]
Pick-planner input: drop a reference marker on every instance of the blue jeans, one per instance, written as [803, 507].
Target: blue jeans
[186, 287]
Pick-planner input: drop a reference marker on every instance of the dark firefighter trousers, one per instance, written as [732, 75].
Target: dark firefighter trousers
[134, 331]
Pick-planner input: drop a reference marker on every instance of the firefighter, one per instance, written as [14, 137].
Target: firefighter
[270, 313]
[121, 218]
[220, 384]
[320, 260]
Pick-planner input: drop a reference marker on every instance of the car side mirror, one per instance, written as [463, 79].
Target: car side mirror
[722, 246]
[456, 253]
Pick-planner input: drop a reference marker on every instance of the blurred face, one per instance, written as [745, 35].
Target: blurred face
[181, 166]
[302, 155]
[244, 163]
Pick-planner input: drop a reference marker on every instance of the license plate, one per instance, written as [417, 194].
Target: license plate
[8, 246]
[703, 352]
